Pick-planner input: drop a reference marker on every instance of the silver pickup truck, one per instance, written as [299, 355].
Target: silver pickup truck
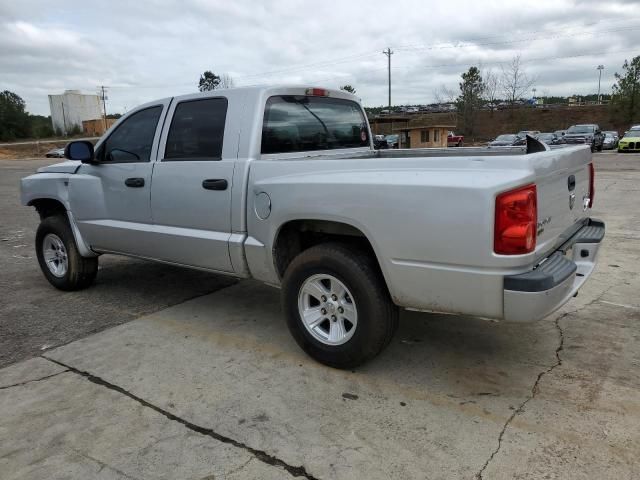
[282, 184]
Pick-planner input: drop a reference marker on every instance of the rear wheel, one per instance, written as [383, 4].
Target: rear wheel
[58, 256]
[337, 306]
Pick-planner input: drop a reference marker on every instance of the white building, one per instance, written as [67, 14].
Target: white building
[71, 108]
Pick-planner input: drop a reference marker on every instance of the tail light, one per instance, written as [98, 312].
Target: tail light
[516, 221]
[592, 183]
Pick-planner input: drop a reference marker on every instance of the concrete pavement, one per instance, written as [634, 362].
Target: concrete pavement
[215, 388]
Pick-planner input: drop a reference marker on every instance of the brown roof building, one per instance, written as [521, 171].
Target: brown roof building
[419, 131]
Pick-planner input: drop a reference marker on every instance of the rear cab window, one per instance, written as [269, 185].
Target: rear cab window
[298, 123]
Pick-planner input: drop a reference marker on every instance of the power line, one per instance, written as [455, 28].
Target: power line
[508, 42]
[467, 65]
[530, 32]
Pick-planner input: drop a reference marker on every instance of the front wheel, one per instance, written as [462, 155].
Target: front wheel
[58, 256]
[337, 306]
[599, 148]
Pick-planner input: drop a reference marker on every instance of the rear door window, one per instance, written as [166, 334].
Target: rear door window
[197, 130]
[299, 124]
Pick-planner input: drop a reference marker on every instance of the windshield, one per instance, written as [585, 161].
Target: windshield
[634, 132]
[301, 123]
[393, 138]
[581, 129]
[505, 138]
[545, 136]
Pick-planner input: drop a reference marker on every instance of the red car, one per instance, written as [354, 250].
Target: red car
[454, 140]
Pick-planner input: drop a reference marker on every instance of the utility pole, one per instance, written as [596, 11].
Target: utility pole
[104, 106]
[599, 68]
[388, 52]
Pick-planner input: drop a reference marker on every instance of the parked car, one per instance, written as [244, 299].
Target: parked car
[454, 140]
[379, 142]
[613, 133]
[531, 133]
[589, 134]
[610, 141]
[631, 140]
[507, 140]
[282, 184]
[392, 140]
[560, 133]
[55, 153]
[549, 138]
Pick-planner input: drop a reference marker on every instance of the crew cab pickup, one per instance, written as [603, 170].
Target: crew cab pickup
[282, 184]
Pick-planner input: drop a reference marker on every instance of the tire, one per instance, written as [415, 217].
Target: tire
[593, 148]
[599, 148]
[375, 314]
[54, 235]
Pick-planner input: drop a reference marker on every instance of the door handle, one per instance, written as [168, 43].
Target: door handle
[134, 182]
[215, 184]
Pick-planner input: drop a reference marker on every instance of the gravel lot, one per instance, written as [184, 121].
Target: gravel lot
[214, 387]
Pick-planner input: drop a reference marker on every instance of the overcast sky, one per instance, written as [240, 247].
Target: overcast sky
[147, 49]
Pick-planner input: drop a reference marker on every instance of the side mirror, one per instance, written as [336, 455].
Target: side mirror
[79, 150]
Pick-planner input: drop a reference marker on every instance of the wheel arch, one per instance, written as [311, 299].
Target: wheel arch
[48, 206]
[297, 235]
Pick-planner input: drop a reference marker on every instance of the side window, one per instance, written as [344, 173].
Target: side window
[197, 130]
[295, 123]
[132, 140]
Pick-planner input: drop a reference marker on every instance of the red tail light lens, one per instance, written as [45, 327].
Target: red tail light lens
[516, 221]
[592, 184]
[317, 92]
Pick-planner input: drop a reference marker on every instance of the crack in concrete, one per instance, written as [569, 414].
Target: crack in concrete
[258, 454]
[534, 392]
[34, 380]
[536, 384]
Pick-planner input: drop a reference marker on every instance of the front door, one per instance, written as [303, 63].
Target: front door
[110, 199]
[191, 186]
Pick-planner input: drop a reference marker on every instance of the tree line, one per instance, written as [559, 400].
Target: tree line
[16, 123]
[511, 84]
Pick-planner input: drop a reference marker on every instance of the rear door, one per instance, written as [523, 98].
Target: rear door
[192, 183]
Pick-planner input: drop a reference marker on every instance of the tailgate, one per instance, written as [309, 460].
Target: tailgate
[563, 184]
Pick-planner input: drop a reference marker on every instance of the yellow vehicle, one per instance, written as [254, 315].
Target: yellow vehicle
[630, 142]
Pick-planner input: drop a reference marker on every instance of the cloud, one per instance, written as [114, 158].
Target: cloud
[150, 49]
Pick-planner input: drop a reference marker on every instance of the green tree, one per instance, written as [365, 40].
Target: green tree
[626, 91]
[470, 99]
[348, 88]
[14, 120]
[40, 126]
[208, 81]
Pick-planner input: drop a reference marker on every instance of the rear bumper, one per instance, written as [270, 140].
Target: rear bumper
[534, 295]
